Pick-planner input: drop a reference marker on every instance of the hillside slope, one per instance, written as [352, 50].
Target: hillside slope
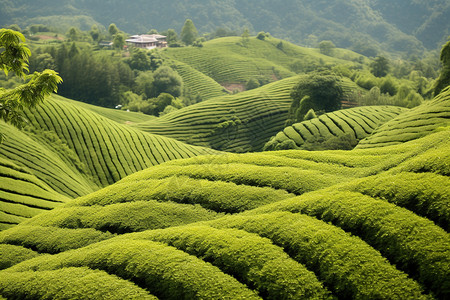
[337, 241]
[239, 123]
[352, 124]
[68, 151]
[366, 223]
[413, 124]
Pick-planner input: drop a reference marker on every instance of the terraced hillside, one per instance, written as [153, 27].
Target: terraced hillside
[354, 124]
[299, 225]
[232, 60]
[197, 82]
[242, 122]
[68, 151]
[414, 124]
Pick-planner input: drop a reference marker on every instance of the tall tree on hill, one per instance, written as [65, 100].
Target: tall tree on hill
[14, 56]
[189, 33]
[380, 66]
[444, 78]
[112, 29]
[320, 92]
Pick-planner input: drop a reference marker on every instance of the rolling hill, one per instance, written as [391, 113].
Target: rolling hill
[354, 124]
[368, 223]
[69, 150]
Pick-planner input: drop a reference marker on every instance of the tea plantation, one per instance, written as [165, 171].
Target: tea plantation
[99, 203]
[69, 150]
[370, 223]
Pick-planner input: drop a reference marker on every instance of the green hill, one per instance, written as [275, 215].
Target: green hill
[347, 125]
[300, 225]
[69, 150]
[413, 124]
[239, 123]
[232, 60]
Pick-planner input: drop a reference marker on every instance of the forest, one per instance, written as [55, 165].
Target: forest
[257, 151]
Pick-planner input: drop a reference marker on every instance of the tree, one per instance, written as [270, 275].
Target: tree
[119, 41]
[166, 80]
[245, 37]
[112, 29]
[172, 37]
[320, 92]
[189, 33]
[380, 66]
[14, 56]
[326, 47]
[444, 78]
[95, 33]
[139, 60]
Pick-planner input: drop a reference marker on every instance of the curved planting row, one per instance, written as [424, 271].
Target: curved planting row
[253, 260]
[416, 123]
[415, 244]
[58, 171]
[343, 239]
[219, 196]
[166, 272]
[110, 151]
[69, 283]
[227, 61]
[197, 82]
[23, 195]
[347, 266]
[354, 123]
[246, 120]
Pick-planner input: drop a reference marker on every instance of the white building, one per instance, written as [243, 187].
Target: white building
[147, 41]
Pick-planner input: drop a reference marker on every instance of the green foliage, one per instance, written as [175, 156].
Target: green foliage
[423, 193]
[253, 260]
[380, 66]
[213, 195]
[416, 123]
[444, 78]
[331, 253]
[14, 57]
[115, 218]
[327, 47]
[51, 239]
[337, 130]
[310, 115]
[318, 92]
[166, 80]
[424, 250]
[158, 268]
[112, 29]
[69, 283]
[11, 255]
[261, 111]
[188, 33]
[252, 83]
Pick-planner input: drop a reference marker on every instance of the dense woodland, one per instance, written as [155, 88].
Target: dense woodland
[295, 151]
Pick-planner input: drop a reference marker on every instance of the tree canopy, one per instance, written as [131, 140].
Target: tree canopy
[444, 78]
[14, 56]
[189, 33]
[320, 92]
